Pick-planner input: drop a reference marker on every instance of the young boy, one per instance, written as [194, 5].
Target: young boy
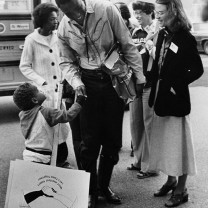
[37, 121]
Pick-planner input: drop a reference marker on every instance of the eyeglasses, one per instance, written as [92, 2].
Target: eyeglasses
[160, 13]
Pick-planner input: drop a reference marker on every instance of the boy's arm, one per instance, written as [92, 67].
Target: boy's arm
[55, 116]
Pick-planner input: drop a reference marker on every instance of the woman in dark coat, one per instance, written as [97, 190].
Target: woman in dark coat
[176, 65]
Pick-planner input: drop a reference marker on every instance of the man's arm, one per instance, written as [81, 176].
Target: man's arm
[68, 62]
[129, 49]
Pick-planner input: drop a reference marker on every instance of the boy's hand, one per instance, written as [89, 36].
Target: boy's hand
[80, 99]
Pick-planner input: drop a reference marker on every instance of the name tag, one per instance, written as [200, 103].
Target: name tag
[174, 47]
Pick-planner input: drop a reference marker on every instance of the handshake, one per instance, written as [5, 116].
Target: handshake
[81, 99]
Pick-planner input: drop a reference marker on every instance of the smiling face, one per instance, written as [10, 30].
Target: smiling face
[161, 14]
[143, 18]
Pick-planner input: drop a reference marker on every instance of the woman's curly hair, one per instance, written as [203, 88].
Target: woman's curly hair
[42, 12]
[23, 96]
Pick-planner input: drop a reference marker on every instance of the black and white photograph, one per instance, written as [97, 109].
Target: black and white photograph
[103, 103]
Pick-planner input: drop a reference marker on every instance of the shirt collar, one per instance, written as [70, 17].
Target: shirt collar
[148, 28]
[40, 38]
[89, 7]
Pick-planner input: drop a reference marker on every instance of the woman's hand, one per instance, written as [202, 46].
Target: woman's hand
[46, 90]
[149, 45]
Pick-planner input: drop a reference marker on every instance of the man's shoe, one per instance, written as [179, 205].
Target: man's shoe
[165, 189]
[177, 199]
[111, 197]
[92, 200]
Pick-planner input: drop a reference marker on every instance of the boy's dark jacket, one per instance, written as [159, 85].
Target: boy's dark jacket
[180, 68]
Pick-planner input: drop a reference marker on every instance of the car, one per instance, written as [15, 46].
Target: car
[200, 32]
[202, 41]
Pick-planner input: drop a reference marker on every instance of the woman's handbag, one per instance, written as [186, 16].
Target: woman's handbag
[121, 74]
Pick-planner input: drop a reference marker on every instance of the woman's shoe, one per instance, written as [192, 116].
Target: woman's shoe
[132, 167]
[165, 189]
[177, 199]
[142, 175]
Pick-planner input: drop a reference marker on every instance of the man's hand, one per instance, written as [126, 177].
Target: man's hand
[81, 90]
[139, 89]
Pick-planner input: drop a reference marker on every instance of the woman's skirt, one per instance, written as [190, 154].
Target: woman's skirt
[171, 146]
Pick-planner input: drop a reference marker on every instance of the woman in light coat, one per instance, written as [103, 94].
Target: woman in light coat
[40, 63]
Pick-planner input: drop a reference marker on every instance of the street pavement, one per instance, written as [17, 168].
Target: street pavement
[135, 193]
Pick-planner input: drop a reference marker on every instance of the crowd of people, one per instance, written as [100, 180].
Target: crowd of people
[162, 55]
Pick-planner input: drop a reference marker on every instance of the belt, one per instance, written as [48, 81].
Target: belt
[40, 152]
[93, 71]
[100, 74]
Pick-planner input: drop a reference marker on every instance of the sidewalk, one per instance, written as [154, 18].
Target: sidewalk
[138, 193]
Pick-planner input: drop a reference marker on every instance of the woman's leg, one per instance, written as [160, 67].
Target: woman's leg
[181, 186]
[180, 194]
[171, 180]
[170, 185]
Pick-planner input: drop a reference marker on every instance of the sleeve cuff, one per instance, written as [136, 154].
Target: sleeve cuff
[140, 79]
[40, 81]
[76, 82]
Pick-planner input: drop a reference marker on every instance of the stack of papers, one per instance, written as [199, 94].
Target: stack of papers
[111, 59]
